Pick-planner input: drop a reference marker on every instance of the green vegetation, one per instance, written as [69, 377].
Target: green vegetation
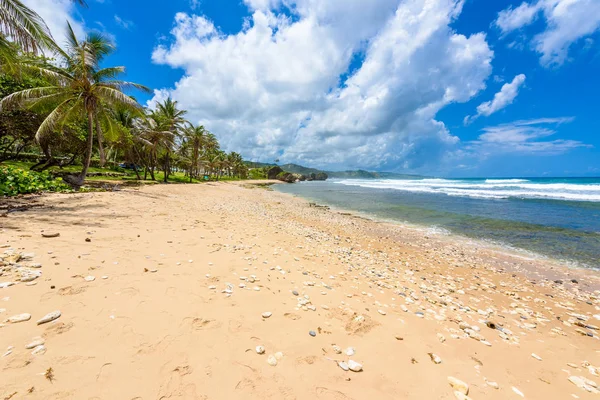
[73, 117]
[14, 181]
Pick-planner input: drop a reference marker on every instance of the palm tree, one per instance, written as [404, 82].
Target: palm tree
[171, 119]
[196, 137]
[23, 26]
[147, 132]
[79, 87]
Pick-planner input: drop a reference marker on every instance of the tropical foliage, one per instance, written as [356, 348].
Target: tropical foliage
[74, 110]
[14, 181]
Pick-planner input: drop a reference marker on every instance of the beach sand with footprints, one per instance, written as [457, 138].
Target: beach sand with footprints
[229, 291]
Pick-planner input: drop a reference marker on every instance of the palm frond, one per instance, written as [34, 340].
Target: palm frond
[19, 98]
[24, 26]
[54, 119]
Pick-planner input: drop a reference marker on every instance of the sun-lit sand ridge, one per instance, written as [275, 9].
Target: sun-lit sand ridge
[165, 293]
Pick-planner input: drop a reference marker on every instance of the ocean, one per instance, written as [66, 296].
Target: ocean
[547, 217]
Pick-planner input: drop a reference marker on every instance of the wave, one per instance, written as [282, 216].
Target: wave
[488, 189]
[506, 180]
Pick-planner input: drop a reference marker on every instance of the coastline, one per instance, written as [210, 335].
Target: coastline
[156, 327]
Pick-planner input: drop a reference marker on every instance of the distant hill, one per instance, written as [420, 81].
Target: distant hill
[355, 174]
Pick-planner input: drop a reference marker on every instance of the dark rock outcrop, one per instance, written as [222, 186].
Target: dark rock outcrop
[274, 172]
[321, 176]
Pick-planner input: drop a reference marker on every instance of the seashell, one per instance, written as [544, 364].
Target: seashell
[441, 338]
[49, 317]
[271, 360]
[256, 288]
[6, 284]
[19, 318]
[435, 358]
[492, 384]
[212, 287]
[343, 365]
[336, 349]
[536, 356]
[278, 355]
[517, 391]
[381, 312]
[260, 350]
[37, 342]
[267, 314]
[458, 385]
[461, 396]
[350, 351]
[583, 383]
[90, 278]
[312, 333]
[354, 366]
[41, 349]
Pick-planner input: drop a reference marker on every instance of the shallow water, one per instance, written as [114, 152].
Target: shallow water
[559, 218]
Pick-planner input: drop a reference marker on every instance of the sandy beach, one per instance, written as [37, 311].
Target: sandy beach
[166, 291]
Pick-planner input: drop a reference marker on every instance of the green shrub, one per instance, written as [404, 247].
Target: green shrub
[14, 181]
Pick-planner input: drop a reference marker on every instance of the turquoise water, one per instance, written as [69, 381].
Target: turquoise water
[559, 218]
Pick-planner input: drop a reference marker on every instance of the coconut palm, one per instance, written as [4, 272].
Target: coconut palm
[195, 137]
[148, 132]
[79, 87]
[170, 118]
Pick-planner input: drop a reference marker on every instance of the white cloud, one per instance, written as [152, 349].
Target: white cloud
[503, 98]
[524, 137]
[124, 23]
[567, 21]
[273, 90]
[56, 13]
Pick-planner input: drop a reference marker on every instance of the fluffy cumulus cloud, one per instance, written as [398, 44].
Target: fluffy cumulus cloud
[524, 137]
[56, 13]
[567, 21]
[338, 83]
[503, 98]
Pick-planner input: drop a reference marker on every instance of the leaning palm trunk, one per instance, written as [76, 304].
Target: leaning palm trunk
[100, 144]
[88, 153]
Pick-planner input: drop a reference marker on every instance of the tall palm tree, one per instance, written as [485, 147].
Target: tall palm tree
[148, 132]
[23, 26]
[170, 118]
[79, 87]
[196, 138]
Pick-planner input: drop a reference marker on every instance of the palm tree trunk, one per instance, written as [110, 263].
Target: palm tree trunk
[166, 167]
[90, 145]
[100, 144]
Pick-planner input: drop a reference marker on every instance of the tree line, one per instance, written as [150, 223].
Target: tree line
[62, 105]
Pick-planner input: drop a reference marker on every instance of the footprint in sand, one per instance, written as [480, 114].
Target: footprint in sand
[292, 316]
[330, 394]
[70, 290]
[57, 329]
[203, 323]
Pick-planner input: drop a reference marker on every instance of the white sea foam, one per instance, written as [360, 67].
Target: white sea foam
[488, 189]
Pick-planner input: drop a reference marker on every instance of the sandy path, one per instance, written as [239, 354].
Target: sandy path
[139, 334]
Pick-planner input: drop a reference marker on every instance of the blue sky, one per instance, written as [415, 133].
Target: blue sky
[473, 88]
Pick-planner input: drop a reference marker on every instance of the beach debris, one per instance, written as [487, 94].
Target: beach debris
[4, 285]
[381, 312]
[441, 338]
[336, 349]
[435, 358]
[295, 292]
[266, 314]
[9, 351]
[39, 350]
[36, 342]
[271, 360]
[312, 333]
[343, 365]
[350, 351]
[260, 350]
[517, 391]
[49, 374]
[458, 385]
[49, 317]
[398, 337]
[492, 384]
[584, 383]
[278, 355]
[19, 318]
[50, 235]
[90, 278]
[461, 396]
[354, 366]
[536, 356]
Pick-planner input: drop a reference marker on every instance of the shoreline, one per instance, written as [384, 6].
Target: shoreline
[166, 291]
[546, 266]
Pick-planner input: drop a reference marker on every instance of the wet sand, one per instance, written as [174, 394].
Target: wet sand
[182, 275]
